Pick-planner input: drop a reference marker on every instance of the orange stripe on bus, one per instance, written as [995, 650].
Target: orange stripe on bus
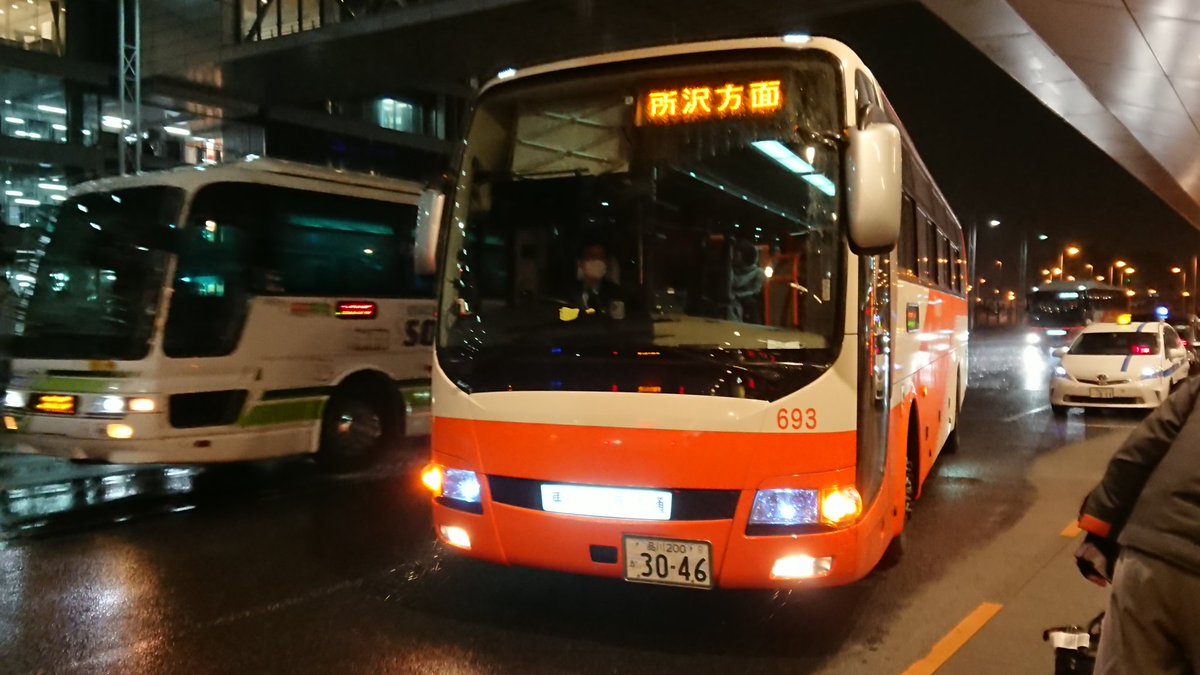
[633, 457]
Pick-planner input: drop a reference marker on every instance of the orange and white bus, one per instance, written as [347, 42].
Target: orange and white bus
[677, 341]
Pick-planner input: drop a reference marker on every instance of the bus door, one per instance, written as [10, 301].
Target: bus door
[874, 372]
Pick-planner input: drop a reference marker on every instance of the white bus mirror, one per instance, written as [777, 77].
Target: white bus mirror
[873, 188]
[429, 223]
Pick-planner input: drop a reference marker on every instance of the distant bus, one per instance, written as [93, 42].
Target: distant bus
[677, 343]
[1058, 311]
[215, 314]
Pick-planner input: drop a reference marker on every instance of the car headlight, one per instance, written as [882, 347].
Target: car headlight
[1150, 373]
[14, 399]
[1060, 372]
[785, 507]
[1032, 338]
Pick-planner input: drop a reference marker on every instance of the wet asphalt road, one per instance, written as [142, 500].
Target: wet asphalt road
[279, 568]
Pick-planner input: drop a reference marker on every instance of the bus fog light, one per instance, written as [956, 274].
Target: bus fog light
[142, 405]
[14, 399]
[119, 431]
[456, 536]
[10, 423]
[461, 485]
[784, 507]
[801, 567]
[840, 506]
[433, 478]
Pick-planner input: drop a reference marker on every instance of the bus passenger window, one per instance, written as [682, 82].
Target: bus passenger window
[907, 249]
[943, 261]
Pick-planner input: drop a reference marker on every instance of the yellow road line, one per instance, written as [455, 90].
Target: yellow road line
[1071, 530]
[954, 640]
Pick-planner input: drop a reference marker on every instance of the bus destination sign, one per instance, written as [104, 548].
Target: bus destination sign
[704, 102]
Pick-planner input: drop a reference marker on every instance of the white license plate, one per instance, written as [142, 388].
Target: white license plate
[670, 562]
[607, 502]
[1098, 392]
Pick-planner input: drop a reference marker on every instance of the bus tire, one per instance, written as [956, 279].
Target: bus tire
[355, 428]
[1059, 410]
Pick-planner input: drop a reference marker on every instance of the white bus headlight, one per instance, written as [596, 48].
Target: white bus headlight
[461, 485]
[1032, 338]
[112, 405]
[14, 399]
[785, 507]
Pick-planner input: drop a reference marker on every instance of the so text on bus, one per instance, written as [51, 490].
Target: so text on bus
[677, 342]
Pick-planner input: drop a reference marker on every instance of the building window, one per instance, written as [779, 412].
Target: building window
[398, 115]
[37, 25]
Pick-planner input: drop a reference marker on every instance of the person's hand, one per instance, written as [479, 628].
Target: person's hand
[1093, 561]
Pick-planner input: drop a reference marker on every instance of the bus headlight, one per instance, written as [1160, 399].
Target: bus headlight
[14, 399]
[142, 405]
[461, 486]
[840, 506]
[1032, 338]
[112, 405]
[785, 507]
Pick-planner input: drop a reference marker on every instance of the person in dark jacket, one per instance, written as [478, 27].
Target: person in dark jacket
[1148, 506]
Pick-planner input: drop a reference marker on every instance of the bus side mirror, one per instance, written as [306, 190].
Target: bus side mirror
[873, 188]
[429, 223]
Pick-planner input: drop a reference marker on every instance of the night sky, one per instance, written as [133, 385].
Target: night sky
[996, 152]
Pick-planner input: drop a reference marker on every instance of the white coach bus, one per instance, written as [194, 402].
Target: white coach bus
[214, 314]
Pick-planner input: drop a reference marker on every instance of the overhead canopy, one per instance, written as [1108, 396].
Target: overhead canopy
[1125, 73]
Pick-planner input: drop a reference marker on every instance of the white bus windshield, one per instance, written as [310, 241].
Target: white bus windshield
[98, 286]
[676, 215]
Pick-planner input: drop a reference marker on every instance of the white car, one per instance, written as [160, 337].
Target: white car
[1113, 365]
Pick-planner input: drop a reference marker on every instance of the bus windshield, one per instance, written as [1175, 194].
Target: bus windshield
[98, 285]
[679, 218]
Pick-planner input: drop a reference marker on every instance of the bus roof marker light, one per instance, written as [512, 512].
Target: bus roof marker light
[797, 38]
[506, 73]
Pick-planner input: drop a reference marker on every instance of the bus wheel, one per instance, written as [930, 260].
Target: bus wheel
[354, 429]
[1059, 410]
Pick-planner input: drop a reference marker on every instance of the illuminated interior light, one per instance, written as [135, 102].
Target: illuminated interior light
[784, 156]
[119, 431]
[797, 38]
[14, 193]
[52, 109]
[456, 536]
[28, 202]
[55, 187]
[507, 73]
[177, 131]
[14, 120]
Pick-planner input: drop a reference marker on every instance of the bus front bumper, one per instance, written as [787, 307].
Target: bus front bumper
[100, 440]
[516, 536]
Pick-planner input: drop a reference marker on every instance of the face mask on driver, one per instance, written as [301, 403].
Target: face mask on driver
[594, 269]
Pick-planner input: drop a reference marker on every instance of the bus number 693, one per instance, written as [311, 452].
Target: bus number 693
[797, 418]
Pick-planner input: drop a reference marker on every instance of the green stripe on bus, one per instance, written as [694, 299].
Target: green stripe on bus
[282, 413]
[73, 385]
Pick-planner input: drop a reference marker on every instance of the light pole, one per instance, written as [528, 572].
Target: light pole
[1114, 269]
[1068, 252]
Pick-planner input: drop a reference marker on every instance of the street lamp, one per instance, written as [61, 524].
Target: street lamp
[1042, 237]
[1070, 251]
[993, 223]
